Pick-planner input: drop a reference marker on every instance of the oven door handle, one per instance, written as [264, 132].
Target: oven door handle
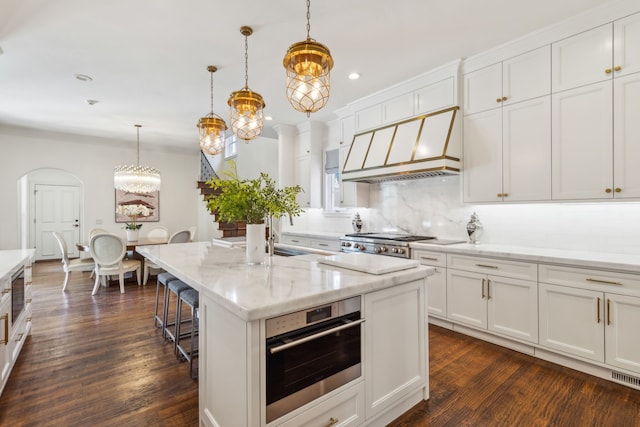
[282, 347]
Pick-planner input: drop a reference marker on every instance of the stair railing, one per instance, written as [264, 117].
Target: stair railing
[206, 170]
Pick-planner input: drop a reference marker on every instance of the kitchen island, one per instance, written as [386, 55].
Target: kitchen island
[237, 299]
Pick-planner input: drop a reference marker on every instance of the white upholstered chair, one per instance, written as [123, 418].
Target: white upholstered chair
[69, 265]
[108, 251]
[95, 231]
[158, 233]
[192, 231]
[151, 268]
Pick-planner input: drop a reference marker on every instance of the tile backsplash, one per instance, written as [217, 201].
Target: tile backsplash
[433, 206]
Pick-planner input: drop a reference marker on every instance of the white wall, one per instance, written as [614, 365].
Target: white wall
[92, 161]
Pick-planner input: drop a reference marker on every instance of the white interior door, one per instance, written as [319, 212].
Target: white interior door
[57, 208]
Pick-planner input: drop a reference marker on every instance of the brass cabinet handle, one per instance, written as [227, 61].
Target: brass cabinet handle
[607, 190]
[6, 291]
[607, 70]
[427, 258]
[504, 98]
[608, 311]
[495, 267]
[505, 194]
[499, 195]
[482, 288]
[606, 282]
[488, 288]
[617, 68]
[5, 341]
[322, 244]
[332, 421]
[598, 304]
[617, 189]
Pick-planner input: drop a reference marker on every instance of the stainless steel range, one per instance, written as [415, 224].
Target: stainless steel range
[390, 244]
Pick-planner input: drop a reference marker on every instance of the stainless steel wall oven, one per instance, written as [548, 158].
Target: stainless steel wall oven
[310, 353]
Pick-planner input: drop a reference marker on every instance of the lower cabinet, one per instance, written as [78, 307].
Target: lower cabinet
[591, 321]
[6, 352]
[498, 303]
[396, 346]
[342, 410]
[436, 283]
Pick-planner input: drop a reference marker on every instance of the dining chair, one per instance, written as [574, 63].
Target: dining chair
[69, 265]
[108, 251]
[158, 233]
[96, 230]
[151, 268]
[192, 231]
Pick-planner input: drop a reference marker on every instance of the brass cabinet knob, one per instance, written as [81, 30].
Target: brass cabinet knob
[608, 190]
[607, 70]
[498, 99]
[617, 68]
[504, 98]
[499, 195]
[618, 189]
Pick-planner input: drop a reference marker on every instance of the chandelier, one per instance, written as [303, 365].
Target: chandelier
[212, 127]
[308, 64]
[247, 107]
[136, 179]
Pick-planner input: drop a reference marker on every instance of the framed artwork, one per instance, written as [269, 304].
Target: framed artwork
[151, 201]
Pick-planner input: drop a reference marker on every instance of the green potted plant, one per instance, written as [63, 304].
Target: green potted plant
[253, 201]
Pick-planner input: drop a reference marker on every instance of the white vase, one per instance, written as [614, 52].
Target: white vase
[255, 243]
[132, 235]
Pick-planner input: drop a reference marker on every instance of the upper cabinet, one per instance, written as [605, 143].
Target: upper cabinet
[507, 123]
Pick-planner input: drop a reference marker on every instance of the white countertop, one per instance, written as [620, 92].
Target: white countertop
[315, 234]
[283, 285]
[604, 260]
[10, 259]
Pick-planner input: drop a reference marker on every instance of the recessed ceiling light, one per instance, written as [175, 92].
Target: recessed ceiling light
[92, 101]
[268, 118]
[82, 77]
[354, 76]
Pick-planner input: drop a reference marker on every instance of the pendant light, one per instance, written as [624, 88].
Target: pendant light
[136, 179]
[212, 127]
[308, 64]
[247, 107]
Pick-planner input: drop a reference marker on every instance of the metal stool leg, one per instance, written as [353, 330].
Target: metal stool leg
[175, 287]
[191, 298]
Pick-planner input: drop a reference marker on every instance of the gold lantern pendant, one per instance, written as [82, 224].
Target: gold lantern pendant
[308, 65]
[247, 107]
[212, 127]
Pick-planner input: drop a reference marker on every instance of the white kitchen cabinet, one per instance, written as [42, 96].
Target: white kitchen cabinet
[626, 46]
[345, 409]
[582, 149]
[303, 179]
[395, 319]
[296, 240]
[514, 80]
[6, 347]
[507, 136]
[504, 148]
[398, 108]
[626, 134]
[436, 283]
[327, 244]
[593, 314]
[368, 118]
[352, 194]
[497, 295]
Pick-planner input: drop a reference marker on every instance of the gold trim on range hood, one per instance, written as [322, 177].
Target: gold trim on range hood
[414, 148]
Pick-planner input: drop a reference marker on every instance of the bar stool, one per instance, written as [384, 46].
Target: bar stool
[163, 280]
[174, 287]
[189, 297]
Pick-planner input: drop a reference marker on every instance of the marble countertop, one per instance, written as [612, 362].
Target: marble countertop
[610, 261]
[10, 259]
[282, 285]
[315, 234]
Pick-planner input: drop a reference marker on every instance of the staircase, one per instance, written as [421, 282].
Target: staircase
[229, 229]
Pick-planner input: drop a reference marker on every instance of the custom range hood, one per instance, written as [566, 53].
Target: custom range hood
[424, 146]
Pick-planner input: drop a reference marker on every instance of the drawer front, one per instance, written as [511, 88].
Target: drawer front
[435, 259]
[327, 245]
[344, 409]
[599, 280]
[496, 267]
[296, 241]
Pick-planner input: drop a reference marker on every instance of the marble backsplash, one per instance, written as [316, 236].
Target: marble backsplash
[433, 206]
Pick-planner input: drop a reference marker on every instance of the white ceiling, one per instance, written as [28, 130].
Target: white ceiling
[148, 58]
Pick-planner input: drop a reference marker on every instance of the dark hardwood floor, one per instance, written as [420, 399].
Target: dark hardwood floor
[98, 361]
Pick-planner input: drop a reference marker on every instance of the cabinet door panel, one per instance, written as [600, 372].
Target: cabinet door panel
[466, 300]
[626, 45]
[527, 76]
[397, 108]
[513, 308]
[582, 141]
[571, 321]
[626, 133]
[622, 343]
[582, 59]
[483, 89]
[482, 172]
[437, 293]
[526, 150]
